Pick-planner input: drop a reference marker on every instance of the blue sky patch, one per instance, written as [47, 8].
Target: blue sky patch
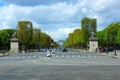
[3, 3]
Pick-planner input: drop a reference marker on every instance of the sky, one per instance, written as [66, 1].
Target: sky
[58, 18]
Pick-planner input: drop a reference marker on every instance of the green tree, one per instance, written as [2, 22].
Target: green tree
[25, 33]
[75, 39]
[36, 37]
[46, 40]
[118, 36]
[88, 25]
[109, 35]
[78, 37]
[102, 37]
[4, 39]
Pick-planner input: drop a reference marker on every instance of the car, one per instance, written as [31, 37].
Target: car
[43, 50]
[64, 50]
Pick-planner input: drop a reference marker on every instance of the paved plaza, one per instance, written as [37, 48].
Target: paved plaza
[71, 65]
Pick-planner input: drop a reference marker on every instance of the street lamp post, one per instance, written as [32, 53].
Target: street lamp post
[107, 45]
[115, 49]
[115, 45]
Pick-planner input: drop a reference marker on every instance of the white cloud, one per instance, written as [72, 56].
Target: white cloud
[100, 5]
[60, 17]
[61, 33]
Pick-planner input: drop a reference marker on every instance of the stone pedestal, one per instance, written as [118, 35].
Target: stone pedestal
[93, 44]
[14, 45]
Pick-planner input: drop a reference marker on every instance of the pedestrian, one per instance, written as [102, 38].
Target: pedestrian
[96, 49]
[3, 52]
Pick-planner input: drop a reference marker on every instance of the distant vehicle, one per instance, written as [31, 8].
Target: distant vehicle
[64, 50]
[43, 50]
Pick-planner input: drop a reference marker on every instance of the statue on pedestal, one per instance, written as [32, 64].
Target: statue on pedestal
[14, 44]
[93, 42]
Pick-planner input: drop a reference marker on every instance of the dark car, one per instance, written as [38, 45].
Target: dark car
[64, 50]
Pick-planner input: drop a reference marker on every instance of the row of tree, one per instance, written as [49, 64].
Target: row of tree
[110, 36]
[75, 39]
[32, 38]
[80, 37]
[5, 36]
[28, 37]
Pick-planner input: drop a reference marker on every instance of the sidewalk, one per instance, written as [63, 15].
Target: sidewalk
[110, 54]
[1, 54]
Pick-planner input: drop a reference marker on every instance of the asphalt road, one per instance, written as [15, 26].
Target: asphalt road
[61, 66]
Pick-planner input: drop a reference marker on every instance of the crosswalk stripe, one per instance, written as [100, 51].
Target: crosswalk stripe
[67, 56]
[39, 56]
[89, 56]
[83, 56]
[73, 56]
[62, 56]
[57, 56]
[94, 56]
[79, 56]
[28, 57]
[34, 56]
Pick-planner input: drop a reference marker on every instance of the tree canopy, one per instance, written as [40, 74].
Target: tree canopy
[89, 25]
[5, 37]
[27, 36]
[80, 37]
[111, 34]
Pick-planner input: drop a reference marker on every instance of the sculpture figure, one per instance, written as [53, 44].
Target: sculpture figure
[14, 35]
[93, 35]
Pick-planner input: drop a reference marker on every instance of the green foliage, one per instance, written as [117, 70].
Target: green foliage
[77, 36]
[27, 36]
[9, 31]
[110, 35]
[25, 31]
[36, 38]
[32, 37]
[36, 35]
[46, 40]
[5, 37]
[88, 26]
[101, 37]
[75, 39]
[80, 37]
[118, 36]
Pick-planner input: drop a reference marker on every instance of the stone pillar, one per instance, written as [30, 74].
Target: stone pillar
[14, 45]
[93, 45]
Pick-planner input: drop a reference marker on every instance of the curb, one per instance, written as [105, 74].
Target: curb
[109, 55]
[2, 55]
